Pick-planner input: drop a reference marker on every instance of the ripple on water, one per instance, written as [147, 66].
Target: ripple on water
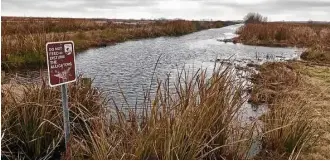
[131, 64]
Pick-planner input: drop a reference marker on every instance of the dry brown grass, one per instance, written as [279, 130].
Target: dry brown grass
[31, 25]
[274, 79]
[23, 40]
[315, 37]
[288, 130]
[32, 120]
[300, 110]
[297, 91]
[285, 34]
[319, 55]
[20, 25]
[199, 121]
[317, 89]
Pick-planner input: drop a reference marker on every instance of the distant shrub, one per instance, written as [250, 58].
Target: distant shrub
[254, 18]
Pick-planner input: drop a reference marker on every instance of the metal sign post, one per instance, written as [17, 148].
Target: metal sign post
[61, 71]
[66, 119]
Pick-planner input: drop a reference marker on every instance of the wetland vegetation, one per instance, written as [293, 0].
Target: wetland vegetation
[200, 120]
[23, 39]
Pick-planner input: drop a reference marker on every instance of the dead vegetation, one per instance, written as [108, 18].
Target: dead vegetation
[316, 55]
[295, 91]
[274, 79]
[313, 36]
[286, 34]
[23, 39]
[198, 121]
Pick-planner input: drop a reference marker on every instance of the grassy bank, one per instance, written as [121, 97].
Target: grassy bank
[294, 90]
[23, 40]
[315, 37]
[304, 88]
[199, 121]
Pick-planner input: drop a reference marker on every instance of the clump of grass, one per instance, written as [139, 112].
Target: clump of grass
[198, 124]
[198, 121]
[316, 55]
[32, 119]
[288, 129]
[274, 78]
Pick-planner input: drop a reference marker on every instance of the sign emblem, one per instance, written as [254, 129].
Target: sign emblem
[68, 49]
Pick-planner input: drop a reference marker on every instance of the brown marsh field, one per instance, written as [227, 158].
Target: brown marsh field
[313, 36]
[23, 39]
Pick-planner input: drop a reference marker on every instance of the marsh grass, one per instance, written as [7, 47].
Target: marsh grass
[316, 55]
[288, 128]
[32, 119]
[198, 123]
[274, 78]
[287, 34]
[23, 39]
[197, 119]
[313, 36]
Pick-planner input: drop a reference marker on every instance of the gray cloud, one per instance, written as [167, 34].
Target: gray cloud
[275, 6]
[188, 9]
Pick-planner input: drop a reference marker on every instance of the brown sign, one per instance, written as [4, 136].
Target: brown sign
[61, 62]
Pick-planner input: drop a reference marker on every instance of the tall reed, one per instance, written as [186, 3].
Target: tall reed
[198, 121]
[197, 117]
[32, 118]
[288, 128]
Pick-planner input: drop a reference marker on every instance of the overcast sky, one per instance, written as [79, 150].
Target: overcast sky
[275, 10]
